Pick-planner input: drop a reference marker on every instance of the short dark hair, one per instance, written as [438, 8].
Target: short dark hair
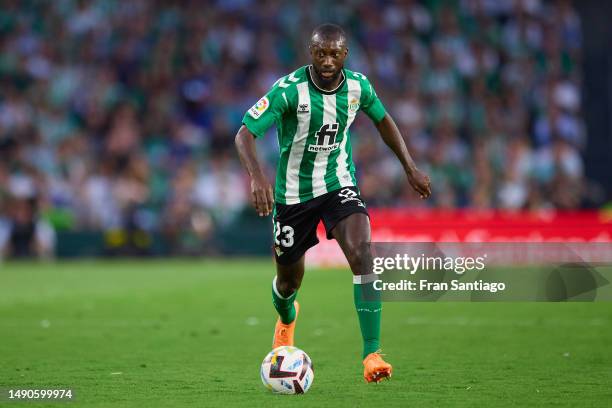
[330, 32]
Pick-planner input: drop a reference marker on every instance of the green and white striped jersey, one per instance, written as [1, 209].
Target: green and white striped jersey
[313, 131]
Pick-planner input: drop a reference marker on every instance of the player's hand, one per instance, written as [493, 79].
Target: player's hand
[420, 182]
[261, 195]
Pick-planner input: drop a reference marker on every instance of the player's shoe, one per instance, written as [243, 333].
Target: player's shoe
[283, 333]
[375, 368]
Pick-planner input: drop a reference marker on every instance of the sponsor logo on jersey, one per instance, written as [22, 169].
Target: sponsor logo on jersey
[325, 138]
[324, 148]
[353, 105]
[303, 108]
[259, 108]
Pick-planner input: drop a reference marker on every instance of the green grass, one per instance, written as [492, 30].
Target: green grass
[193, 333]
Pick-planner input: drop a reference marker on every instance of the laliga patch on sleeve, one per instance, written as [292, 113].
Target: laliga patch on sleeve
[259, 108]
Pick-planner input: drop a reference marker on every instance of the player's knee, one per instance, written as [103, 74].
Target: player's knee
[286, 287]
[358, 256]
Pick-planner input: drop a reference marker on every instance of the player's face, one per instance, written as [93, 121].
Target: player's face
[328, 60]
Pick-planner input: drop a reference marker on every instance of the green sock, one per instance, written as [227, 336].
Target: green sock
[284, 306]
[369, 308]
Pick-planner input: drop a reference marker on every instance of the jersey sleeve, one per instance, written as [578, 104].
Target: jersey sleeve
[266, 112]
[370, 104]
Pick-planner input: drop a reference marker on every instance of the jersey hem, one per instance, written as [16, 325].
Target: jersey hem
[254, 133]
[305, 198]
[376, 120]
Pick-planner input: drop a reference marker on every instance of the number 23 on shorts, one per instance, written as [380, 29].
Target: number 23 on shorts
[283, 235]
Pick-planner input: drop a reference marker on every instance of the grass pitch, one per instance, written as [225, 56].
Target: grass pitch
[173, 333]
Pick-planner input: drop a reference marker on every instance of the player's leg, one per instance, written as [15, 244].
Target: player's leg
[353, 236]
[284, 292]
[294, 232]
[347, 220]
[284, 288]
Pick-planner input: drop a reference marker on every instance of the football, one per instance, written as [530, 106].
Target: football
[287, 370]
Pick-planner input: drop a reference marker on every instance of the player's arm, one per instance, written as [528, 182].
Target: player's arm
[392, 137]
[257, 120]
[261, 190]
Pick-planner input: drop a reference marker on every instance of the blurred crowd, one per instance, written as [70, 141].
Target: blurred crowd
[121, 115]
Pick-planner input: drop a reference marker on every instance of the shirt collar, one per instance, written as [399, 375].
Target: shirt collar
[325, 91]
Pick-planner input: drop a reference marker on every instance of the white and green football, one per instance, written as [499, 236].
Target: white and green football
[287, 370]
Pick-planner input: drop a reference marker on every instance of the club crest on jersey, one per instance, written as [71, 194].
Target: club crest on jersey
[260, 107]
[353, 105]
[303, 108]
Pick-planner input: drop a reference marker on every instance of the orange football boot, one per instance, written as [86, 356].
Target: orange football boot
[375, 368]
[283, 333]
